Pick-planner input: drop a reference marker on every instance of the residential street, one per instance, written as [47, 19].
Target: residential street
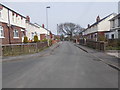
[66, 67]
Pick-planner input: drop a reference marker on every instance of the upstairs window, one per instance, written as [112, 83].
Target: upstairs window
[113, 23]
[1, 7]
[13, 16]
[1, 32]
[16, 33]
[119, 22]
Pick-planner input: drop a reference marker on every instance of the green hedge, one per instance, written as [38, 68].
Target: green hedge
[36, 38]
[25, 39]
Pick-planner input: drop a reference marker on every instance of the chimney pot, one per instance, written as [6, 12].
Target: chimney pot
[42, 25]
[27, 19]
[88, 25]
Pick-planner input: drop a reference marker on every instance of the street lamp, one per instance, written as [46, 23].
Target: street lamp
[47, 22]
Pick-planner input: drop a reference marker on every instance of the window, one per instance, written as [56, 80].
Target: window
[13, 18]
[16, 33]
[0, 13]
[113, 23]
[118, 34]
[107, 36]
[119, 22]
[1, 32]
[112, 36]
[32, 35]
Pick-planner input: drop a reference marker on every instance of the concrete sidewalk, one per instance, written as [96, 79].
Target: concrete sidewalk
[103, 56]
[40, 54]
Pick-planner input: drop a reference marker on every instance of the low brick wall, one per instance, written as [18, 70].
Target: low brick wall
[94, 44]
[19, 49]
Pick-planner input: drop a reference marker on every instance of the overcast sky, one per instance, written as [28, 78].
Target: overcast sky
[82, 13]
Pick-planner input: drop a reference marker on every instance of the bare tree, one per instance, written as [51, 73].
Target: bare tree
[69, 29]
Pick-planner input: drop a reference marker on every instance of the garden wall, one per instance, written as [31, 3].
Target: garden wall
[19, 49]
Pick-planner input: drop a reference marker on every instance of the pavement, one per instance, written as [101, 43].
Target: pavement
[109, 59]
[65, 67]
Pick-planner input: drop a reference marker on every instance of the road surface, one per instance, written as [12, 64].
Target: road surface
[66, 67]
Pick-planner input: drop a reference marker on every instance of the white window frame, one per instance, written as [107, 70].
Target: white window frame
[1, 32]
[14, 33]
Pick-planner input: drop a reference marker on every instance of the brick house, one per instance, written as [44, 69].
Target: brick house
[96, 31]
[12, 26]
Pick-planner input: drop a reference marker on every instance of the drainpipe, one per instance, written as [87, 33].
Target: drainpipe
[9, 27]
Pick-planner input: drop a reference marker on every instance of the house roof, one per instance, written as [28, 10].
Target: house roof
[118, 15]
[12, 10]
[33, 25]
[99, 21]
[42, 27]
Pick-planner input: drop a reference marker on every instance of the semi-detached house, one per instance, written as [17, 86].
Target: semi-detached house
[114, 32]
[12, 26]
[97, 30]
[33, 29]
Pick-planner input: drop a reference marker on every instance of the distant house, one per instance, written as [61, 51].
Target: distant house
[44, 33]
[12, 26]
[96, 31]
[114, 32]
[32, 30]
[35, 29]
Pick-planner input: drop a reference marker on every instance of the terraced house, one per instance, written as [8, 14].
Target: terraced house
[96, 31]
[12, 26]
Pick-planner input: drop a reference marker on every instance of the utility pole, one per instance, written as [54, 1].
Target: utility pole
[47, 23]
[57, 29]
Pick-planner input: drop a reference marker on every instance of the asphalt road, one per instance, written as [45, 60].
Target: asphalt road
[66, 67]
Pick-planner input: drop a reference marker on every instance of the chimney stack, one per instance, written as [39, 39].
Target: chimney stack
[88, 25]
[27, 19]
[98, 19]
[42, 25]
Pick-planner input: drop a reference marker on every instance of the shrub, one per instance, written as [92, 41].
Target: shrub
[101, 38]
[25, 39]
[44, 40]
[35, 38]
[50, 42]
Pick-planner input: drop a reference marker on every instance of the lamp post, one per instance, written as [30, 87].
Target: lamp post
[47, 23]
